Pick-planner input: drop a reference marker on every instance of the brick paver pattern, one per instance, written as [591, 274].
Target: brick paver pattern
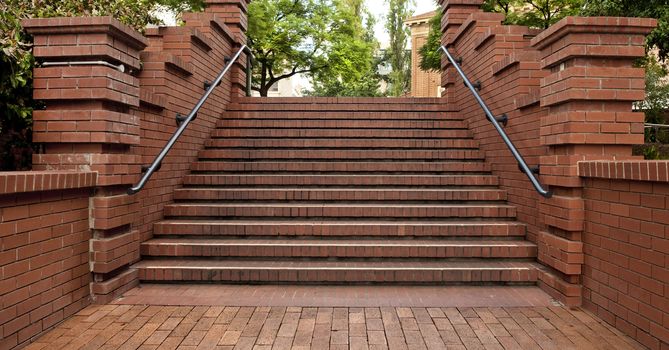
[226, 327]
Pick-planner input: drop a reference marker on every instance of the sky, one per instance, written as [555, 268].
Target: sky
[379, 8]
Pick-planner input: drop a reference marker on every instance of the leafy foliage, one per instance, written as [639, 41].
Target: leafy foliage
[16, 64]
[544, 13]
[288, 37]
[656, 104]
[533, 13]
[430, 55]
[352, 65]
[180, 6]
[398, 56]
[324, 39]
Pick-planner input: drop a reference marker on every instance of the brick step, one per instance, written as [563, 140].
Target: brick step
[338, 104]
[276, 123]
[342, 167]
[355, 248]
[347, 115]
[341, 143]
[340, 180]
[339, 194]
[208, 270]
[339, 210]
[292, 154]
[344, 133]
[339, 228]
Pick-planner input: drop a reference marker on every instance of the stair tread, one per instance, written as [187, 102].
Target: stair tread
[441, 176]
[343, 132]
[348, 167]
[342, 243]
[302, 222]
[340, 180]
[338, 205]
[335, 265]
[335, 189]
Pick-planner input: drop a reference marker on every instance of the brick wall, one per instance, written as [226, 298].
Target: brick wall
[626, 245]
[44, 265]
[568, 93]
[501, 59]
[177, 62]
[113, 121]
[423, 83]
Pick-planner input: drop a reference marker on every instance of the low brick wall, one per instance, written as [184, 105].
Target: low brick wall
[626, 245]
[44, 233]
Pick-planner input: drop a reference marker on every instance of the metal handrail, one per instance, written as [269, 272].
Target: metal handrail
[521, 162]
[184, 124]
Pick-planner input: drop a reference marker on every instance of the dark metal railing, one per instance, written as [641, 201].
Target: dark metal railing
[496, 123]
[184, 121]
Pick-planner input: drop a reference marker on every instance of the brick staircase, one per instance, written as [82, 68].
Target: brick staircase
[340, 191]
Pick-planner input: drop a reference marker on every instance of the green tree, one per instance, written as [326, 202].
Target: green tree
[543, 13]
[352, 68]
[656, 103]
[658, 9]
[398, 56]
[290, 37]
[501, 6]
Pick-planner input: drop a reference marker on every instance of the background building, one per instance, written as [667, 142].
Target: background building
[423, 84]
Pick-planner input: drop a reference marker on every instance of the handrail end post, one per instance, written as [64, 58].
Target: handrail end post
[132, 190]
[547, 194]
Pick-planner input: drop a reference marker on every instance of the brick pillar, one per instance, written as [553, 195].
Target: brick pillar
[589, 91]
[234, 13]
[455, 12]
[87, 126]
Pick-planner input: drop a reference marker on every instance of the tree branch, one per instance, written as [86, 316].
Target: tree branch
[295, 71]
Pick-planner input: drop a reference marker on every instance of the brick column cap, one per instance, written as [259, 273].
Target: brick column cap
[86, 25]
[603, 25]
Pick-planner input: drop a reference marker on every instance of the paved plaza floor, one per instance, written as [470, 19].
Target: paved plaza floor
[322, 317]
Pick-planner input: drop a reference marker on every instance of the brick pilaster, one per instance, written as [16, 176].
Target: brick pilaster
[234, 13]
[87, 125]
[455, 13]
[589, 92]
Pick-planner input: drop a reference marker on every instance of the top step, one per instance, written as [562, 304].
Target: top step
[337, 104]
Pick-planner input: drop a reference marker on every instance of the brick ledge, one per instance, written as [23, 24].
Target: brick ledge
[32, 181]
[642, 170]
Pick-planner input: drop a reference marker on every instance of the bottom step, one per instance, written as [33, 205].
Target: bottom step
[169, 270]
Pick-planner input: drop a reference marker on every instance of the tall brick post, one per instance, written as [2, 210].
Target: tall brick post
[85, 78]
[589, 90]
[234, 13]
[455, 13]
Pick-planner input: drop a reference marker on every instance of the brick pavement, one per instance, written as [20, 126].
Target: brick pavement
[126, 326]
